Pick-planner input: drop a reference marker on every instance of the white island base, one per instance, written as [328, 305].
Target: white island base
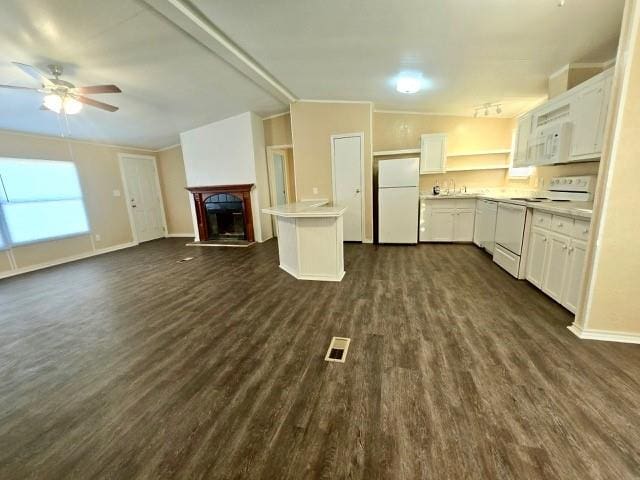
[310, 242]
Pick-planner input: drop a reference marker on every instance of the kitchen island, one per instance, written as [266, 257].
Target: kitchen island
[310, 239]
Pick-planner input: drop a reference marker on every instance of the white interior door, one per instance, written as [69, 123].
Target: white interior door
[347, 183]
[144, 197]
[279, 178]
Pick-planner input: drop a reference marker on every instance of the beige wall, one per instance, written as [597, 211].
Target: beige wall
[558, 83]
[173, 182]
[397, 131]
[570, 77]
[99, 174]
[614, 302]
[277, 130]
[392, 131]
[312, 124]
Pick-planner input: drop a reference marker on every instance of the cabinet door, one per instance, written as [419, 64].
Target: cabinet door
[441, 225]
[463, 225]
[477, 227]
[536, 258]
[606, 100]
[556, 266]
[586, 112]
[522, 141]
[433, 153]
[574, 275]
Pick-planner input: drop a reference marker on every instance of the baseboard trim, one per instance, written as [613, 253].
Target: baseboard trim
[317, 278]
[60, 261]
[604, 335]
[180, 235]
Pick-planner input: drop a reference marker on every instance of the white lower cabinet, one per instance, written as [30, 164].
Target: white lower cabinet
[555, 261]
[575, 274]
[441, 224]
[447, 220]
[463, 225]
[537, 256]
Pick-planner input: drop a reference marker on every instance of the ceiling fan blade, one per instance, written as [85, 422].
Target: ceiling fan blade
[34, 73]
[96, 89]
[95, 103]
[16, 87]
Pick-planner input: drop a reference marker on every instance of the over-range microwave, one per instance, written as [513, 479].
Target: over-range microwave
[550, 144]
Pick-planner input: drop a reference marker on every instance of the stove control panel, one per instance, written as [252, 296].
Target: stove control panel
[583, 183]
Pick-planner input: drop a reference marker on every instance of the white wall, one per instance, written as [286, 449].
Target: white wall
[230, 152]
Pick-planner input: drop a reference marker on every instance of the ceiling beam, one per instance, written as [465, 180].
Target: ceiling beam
[187, 17]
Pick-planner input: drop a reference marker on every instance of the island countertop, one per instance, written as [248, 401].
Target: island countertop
[310, 208]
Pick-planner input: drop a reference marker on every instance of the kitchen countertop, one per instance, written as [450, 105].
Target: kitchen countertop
[574, 209]
[311, 208]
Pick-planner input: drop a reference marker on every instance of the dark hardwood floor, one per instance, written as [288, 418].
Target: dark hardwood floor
[130, 365]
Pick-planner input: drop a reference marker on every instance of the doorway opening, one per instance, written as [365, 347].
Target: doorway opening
[282, 188]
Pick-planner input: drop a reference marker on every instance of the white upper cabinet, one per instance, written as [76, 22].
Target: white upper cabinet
[583, 110]
[433, 152]
[588, 111]
[522, 141]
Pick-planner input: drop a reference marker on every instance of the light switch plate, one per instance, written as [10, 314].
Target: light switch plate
[116, 193]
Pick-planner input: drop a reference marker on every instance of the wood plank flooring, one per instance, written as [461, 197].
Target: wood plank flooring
[129, 366]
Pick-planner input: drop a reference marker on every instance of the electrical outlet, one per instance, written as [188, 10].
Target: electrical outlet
[116, 193]
[97, 236]
[315, 190]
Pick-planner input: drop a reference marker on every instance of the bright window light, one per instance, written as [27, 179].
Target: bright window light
[39, 200]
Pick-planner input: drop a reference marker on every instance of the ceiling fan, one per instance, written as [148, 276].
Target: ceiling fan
[62, 96]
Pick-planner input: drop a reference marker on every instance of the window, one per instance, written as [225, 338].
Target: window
[39, 200]
[520, 172]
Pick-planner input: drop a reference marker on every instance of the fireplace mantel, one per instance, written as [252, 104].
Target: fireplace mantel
[201, 193]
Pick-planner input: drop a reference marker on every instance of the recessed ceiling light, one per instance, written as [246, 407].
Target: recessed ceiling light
[406, 84]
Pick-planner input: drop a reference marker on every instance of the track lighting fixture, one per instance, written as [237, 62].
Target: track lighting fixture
[486, 109]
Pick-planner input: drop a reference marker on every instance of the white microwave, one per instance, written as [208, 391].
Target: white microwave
[550, 144]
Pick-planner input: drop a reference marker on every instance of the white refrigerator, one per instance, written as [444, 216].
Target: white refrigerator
[398, 200]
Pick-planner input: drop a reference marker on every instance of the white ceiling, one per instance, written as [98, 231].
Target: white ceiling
[471, 51]
[170, 82]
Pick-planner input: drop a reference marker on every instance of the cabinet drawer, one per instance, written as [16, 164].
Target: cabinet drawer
[466, 203]
[562, 224]
[442, 204]
[541, 219]
[581, 229]
[507, 260]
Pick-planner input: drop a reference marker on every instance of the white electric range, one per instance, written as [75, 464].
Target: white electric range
[513, 220]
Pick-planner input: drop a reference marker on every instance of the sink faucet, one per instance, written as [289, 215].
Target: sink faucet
[453, 182]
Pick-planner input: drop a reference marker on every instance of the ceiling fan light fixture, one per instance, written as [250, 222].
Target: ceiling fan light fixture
[53, 102]
[71, 106]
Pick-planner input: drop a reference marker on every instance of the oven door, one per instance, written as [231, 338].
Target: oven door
[510, 226]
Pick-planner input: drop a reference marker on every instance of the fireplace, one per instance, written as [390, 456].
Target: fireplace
[223, 212]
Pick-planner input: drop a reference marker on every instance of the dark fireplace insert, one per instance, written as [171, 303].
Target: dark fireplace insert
[223, 212]
[225, 217]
